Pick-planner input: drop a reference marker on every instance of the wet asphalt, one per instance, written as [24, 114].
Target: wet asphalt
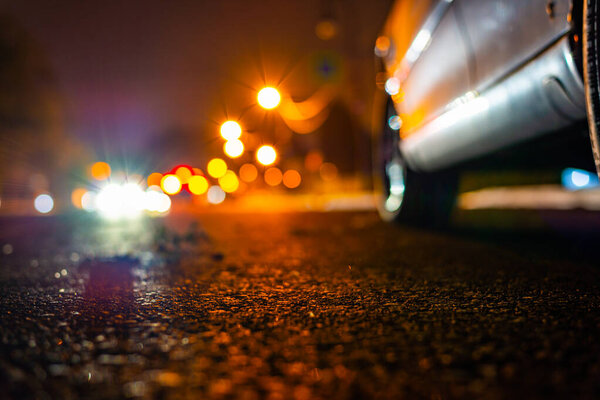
[294, 306]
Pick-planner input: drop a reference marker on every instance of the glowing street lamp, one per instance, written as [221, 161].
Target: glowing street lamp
[100, 171]
[170, 184]
[268, 98]
[216, 168]
[231, 130]
[198, 184]
[266, 155]
[233, 148]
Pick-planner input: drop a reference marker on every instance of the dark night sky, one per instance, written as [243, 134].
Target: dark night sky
[128, 70]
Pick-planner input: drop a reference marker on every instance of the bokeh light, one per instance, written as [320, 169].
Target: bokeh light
[76, 196]
[392, 86]
[184, 173]
[268, 98]
[198, 184]
[170, 184]
[328, 172]
[215, 195]
[154, 179]
[88, 201]
[44, 203]
[313, 161]
[156, 201]
[266, 155]
[164, 203]
[326, 29]
[382, 46]
[132, 200]
[395, 122]
[248, 172]
[231, 130]
[100, 171]
[233, 148]
[229, 182]
[117, 201]
[292, 179]
[273, 176]
[216, 167]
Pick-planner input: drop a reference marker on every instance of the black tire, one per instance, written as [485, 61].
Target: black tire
[591, 73]
[404, 195]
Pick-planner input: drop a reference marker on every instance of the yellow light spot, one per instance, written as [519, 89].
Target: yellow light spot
[100, 171]
[229, 182]
[292, 179]
[154, 179]
[266, 155]
[184, 174]
[231, 130]
[198, 184]
[328, 171]
[170, 184]
[268, 98]
[216, 167]
[248, 172]
[233, 148]
[76, 197]
[273, 176]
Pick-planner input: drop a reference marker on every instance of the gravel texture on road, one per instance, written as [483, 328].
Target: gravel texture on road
[293, 306]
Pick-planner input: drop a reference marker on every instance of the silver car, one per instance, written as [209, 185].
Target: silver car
[463, 79]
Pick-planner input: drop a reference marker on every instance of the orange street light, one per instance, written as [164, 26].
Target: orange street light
[268, 98]
[100, 171]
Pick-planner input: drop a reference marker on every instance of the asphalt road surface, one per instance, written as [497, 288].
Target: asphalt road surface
[294, 306]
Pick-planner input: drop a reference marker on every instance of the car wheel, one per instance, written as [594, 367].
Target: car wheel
[405, 195]
[591, 73]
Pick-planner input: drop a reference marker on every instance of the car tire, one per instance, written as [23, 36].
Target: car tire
[591, 73]
[402, 194]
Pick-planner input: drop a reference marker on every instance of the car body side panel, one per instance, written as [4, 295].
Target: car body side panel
[543, 95]
[438, 76]
[505, 34]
